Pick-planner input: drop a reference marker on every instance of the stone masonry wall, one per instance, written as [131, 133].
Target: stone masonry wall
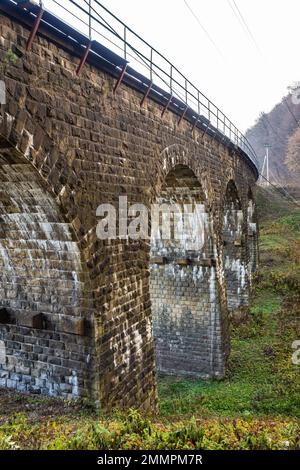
[235, 263]
[252, 236]
[183, 286]
[89, 146]
[43, 331]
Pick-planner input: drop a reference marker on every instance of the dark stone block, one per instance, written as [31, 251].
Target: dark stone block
[5, 316]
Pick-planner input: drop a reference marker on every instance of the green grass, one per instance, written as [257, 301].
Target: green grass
[275, 241]
[272, 205]
[132, 430]
[249, 374]
[292, 221]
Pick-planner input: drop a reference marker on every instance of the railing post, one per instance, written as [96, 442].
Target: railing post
[151, 80]
[171, 93]
[243, 142]
[90, 20]
[151, 64]
[35, 28]
[211, 111]
[186, 91]
[125, 42]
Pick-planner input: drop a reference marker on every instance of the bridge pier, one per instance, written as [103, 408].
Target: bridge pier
[252, 227]
[46, 334]
[184, 286]
[235, 253]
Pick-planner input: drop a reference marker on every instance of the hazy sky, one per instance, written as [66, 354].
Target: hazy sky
[243, 75]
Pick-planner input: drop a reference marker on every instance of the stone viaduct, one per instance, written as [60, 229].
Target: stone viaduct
[80, 316]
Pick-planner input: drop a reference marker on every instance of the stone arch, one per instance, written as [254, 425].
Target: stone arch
[23, 132]
[43, 287]
[183, 281]
[234, 244]
[175, 155]
[252, 225]
[25, 128]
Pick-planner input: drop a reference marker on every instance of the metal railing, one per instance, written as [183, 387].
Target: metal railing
[98, 21]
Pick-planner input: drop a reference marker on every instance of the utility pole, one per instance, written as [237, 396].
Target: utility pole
[262, 171]
[267, 147]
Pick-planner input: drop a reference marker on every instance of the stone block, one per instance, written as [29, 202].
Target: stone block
[4, 316]
[30, 320]
[158, 260]
[75, 326]
[182, 261]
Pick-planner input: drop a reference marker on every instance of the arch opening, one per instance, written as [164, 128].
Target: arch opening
[183, 282]
[252, 225]
[234, 245]
[43, 313]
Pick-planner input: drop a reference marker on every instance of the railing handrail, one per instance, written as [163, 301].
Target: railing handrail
[179, 72]
[222, 123]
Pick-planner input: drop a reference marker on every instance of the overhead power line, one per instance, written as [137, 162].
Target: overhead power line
[273, 129]
[291, 112]
[285, 193]
[285, 190]
[264, 116]
[203, 28]
[283, 143]
[238, 14]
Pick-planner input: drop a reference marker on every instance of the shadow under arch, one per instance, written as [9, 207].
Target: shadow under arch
[233, 251]
[252, 226]
[43, 284]
[183, 282]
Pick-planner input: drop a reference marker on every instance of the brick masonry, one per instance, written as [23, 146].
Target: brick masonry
[76, 316]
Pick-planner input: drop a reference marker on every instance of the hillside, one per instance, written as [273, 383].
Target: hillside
[277, 128]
